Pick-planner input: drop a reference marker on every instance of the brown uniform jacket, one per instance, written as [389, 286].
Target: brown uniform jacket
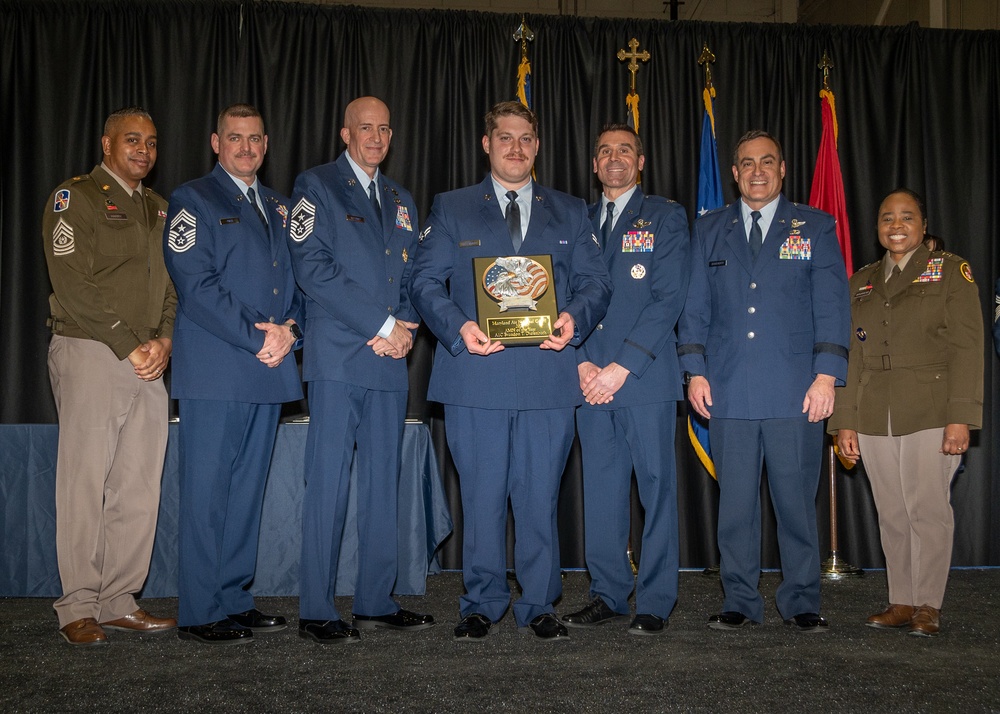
[917, 352]
[105, 261]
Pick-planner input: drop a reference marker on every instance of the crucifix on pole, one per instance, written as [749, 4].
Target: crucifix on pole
[632, 100]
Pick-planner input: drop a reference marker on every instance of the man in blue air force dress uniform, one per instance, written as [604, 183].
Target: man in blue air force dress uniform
[237, 323]
[763, 340]
[631, 383]
[508, 410]
[352, 237]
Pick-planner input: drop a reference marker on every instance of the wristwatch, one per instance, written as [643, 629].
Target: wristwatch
[688, 377]
[295, 330]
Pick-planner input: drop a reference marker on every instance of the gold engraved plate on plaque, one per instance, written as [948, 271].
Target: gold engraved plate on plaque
[515, 298]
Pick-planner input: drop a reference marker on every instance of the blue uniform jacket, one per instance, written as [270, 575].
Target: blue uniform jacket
[353, 271]
[230, 272]
[761, 331]
[648, 260]
[468, 223]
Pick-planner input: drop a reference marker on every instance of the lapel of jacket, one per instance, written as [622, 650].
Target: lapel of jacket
[240, 205]
[491, 214]
[539, 219]
[736, 238]
[777, 232]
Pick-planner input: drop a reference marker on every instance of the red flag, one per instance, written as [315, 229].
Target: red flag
[827, 192]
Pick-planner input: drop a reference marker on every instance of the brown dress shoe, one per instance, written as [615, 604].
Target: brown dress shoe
[84, 633]
[141, 621]
[893, 616]
[926, 622]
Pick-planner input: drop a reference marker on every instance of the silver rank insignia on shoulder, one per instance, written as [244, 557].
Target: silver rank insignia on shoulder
[423, 234]
[183, 232]
[303, 220]
[640, 223]
[63, 242]
[638, 271]
[796, 223]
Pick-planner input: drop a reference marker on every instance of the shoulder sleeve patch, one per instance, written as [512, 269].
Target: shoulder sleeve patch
[183, 232]
[303, 220]
[63, 242]
[967, 272]
[61, 201]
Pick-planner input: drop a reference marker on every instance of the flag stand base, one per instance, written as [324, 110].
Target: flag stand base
[833, 568]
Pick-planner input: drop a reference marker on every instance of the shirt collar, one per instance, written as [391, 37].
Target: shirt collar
[121, 182]
[363, 177]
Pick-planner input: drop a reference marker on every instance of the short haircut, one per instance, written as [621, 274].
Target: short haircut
[240, 111]
[118, 115]
[618, 126]
[509, 109]
[918, 199]
[756, 134]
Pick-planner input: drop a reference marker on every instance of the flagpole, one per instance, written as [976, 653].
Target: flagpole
[827, 166]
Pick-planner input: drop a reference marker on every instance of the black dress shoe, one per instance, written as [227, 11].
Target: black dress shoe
[647, 625]
[547, 627]
[473, 628]
[328, 632]
[223, 632]
[729, 620]
[808, 622]
[594, 614]
[257, 621]
[399, 620]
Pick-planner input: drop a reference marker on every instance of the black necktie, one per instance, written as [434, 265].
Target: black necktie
[251, 194]
[609, 221]
[513, 217]
[756, 237]
[373, 196]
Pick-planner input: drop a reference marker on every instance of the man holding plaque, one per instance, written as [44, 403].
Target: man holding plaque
[631, 383]
[509, 392]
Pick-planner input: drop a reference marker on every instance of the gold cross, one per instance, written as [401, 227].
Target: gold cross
[632, 56]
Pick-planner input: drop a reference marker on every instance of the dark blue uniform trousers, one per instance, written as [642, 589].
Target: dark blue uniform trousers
[792, 449]
[225, 452]
[613, 442]
[518, 455]
[340, 417]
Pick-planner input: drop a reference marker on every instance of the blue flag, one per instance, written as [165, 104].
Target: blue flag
[709, 198]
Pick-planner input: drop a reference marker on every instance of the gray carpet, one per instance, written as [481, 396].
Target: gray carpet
[768, 668]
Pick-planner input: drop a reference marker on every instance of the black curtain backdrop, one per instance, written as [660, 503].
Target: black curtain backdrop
[916, 107]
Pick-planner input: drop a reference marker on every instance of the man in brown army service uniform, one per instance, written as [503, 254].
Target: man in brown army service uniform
[112, 319]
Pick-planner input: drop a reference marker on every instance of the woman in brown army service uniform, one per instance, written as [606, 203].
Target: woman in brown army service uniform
[914, 390]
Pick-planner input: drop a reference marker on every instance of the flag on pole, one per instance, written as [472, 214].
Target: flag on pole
[827, 192]
[709, 198]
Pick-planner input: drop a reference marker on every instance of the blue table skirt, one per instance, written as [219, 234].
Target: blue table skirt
[27, 504]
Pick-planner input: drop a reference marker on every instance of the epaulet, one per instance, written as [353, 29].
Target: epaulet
[950, 256]
[866, 267]
[809, 209]
[715, 210]
[653, 198]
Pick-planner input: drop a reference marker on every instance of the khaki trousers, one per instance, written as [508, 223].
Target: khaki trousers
[911, 483]
[112, 441]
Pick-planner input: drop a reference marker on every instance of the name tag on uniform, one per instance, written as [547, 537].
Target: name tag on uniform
[116, 216]
[468, 243]
[355, 219]
[716, 263]
[227, 221]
